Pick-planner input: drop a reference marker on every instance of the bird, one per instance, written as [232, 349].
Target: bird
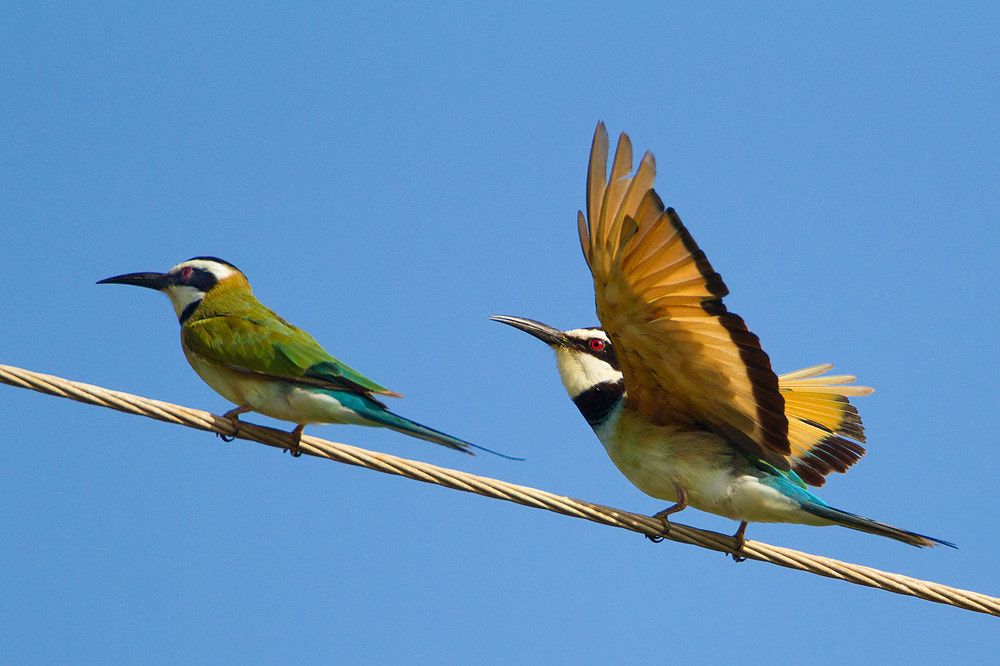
[257, 360]
[676, 387]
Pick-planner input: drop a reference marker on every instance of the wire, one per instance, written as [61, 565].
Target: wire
[449, 478]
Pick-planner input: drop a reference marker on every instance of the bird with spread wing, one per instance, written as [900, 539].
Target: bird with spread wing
[678, 390]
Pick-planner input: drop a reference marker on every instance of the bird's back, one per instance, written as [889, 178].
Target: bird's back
[236, 330]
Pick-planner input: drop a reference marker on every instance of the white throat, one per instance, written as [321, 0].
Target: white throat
[580, 371]
[181, 296]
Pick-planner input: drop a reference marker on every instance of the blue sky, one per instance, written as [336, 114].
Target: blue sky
[387, 178]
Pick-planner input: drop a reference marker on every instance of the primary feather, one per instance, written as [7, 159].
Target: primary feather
[686, 359]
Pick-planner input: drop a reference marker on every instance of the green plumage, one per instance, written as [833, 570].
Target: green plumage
[235, 330]
[257, 360]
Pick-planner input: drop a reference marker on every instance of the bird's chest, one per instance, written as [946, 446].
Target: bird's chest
[234, 387]
[658, 459]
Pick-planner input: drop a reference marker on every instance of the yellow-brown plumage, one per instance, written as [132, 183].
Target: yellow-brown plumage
[677, 389]
[687, 360]
[822, 422]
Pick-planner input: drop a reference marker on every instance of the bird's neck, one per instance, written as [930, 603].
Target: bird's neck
[225, 303]
[598, 402]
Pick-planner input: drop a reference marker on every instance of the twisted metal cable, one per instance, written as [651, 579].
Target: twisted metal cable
[411, 469]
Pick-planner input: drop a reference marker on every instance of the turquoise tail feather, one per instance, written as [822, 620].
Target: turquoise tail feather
[374, 412]
[408, 427]
[856, 522]
[791, 486]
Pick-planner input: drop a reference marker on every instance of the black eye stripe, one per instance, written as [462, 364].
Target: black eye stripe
[606, 354]
[198, 278]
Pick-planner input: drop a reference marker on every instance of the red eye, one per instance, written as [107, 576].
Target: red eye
[186, 273]
[597, 344]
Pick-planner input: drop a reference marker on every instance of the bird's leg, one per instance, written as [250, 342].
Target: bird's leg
[740, 540]
[297, 433]
[234, 416]
[682, 502]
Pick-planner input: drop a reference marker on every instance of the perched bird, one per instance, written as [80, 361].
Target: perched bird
[256, 359]
[677, 388]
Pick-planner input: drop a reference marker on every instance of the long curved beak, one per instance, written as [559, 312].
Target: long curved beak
[158, 281]
[547, 334]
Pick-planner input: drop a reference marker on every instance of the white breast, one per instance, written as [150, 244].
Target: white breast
[716, 479]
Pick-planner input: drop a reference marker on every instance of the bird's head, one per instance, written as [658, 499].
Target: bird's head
[585, 356]
[187, 283]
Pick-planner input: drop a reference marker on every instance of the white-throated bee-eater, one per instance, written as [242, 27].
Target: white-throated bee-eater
[677, 388]
[257, 360]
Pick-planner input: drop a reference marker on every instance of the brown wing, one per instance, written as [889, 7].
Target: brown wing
[686, 360]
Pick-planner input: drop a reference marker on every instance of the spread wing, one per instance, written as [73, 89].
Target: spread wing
[271, 347]
[687, 361]
[824, 429]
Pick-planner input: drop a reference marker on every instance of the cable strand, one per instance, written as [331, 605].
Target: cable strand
[502, 490]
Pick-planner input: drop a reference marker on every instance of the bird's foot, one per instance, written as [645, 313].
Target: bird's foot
[664, 516]
[234, 416]
[739, 538]
[297, 433]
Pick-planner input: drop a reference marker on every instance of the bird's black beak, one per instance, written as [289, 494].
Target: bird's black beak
[550, 336]
[158, 281]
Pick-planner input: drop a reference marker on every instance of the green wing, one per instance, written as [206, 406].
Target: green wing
[265, 344]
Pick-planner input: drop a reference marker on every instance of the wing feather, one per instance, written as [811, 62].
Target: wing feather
[685, 358]
[271, 347]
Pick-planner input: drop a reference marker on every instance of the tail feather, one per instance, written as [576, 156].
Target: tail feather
[856, 522]
[824, 429]
[414, 429]
[373, 412]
